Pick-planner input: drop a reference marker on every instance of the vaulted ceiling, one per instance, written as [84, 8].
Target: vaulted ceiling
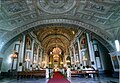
[101, 17]
[50, 37]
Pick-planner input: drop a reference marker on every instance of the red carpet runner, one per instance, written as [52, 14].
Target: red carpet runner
[58, 78]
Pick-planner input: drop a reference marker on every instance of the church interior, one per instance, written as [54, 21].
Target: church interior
[59, 39]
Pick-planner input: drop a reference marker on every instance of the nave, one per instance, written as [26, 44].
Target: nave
[75, 37]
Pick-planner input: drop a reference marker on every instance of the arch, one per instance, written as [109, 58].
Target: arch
[99, 33]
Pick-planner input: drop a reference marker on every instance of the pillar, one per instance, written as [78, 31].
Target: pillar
[79, 50]
[22, 52]
[32, 55]
[91, 51]
[41, 53]
[74, 55]
[38, 55]
[71, 56]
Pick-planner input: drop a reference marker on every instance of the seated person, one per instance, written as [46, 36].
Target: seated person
[83, 68]
[92, 67]
[89, 68]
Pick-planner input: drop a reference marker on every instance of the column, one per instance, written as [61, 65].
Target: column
[37, 58]
[41, 53]
[91, 51]
[74, 55]
[46, 60]
[38, 55]
[64, 61]
[32, 55]
[22, 52]
[79, 50]
[71, 56]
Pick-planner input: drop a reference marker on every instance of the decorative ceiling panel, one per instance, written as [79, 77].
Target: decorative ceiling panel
[29, 9]
[14, 7]
[103, 14]
[56, 6]
[101, 21]
[97, 7]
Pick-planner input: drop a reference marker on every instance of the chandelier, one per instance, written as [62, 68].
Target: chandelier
[56, 50]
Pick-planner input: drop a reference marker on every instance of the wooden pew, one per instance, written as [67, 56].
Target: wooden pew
[94, 72]
[21, 74]
[84, 72]
[30, 74]
[40, 73]
[74, 73]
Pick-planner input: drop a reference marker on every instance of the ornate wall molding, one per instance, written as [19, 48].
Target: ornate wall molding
[55, 22]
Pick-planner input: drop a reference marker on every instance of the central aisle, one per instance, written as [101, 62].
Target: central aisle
[58, 78]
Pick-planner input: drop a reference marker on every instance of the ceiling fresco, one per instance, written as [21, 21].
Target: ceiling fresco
[17, 15]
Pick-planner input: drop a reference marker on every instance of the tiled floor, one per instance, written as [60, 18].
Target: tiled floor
[72, 80]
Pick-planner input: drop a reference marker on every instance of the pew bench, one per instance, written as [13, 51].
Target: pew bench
[74, 73]
[31, 74]
[85, 72]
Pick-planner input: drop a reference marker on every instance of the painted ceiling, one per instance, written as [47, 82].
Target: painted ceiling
[17, 15]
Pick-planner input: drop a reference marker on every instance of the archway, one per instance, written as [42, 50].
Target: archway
[99, 34]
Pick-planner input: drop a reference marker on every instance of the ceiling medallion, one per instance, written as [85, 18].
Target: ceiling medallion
[56, 6]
